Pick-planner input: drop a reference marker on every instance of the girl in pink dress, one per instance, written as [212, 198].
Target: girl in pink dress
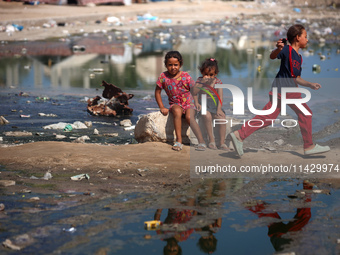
[177, 85]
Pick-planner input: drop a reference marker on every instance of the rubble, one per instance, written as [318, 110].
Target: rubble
[117, 103]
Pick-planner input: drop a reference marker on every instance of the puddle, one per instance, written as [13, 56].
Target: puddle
[240, 216]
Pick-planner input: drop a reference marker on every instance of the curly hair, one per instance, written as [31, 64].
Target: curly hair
[209, 63]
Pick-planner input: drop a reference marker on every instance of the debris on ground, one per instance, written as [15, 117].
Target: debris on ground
[80, 177]
[62, 125]
[117, 103]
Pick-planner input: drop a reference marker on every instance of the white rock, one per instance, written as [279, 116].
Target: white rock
[159, 128]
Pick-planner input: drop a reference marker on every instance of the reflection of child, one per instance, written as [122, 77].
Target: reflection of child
[175, 216]
[177, 86]
[278, 229]
[208, 243]
[209, 70]
[288, 76]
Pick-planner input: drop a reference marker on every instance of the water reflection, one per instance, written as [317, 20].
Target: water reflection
[278, 231]
[214, 216]
[136, 64]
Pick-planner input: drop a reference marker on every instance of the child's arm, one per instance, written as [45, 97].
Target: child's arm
[196, 103]
[279, 47]
[219, 105]
[312, 85]
[159, 101]
[195, 88]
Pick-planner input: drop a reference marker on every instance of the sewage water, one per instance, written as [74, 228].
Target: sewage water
[236, 216]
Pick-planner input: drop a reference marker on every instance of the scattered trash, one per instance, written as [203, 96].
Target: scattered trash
[95, 132]
[147, 237]
[8, 243]
[25, 116]
[80, 177]
[42, 98]
[129, 128]
[2, 207]
[112, 19]
[70, 230]
[147, 17]
[6, 183]
[111, 134]
[3, 121]
[68, 128]
[322, 57]
[116, 105]
[60, 136]
[316, 68]
[336, 110]
[18, 133]
[148, 98]
[47, 115]
[82, 139]
[62, 125]
[152, 224]
[88, 123]
[18, 27]
[298, 10]
[47, 176]
[34, 199]
[126, 123]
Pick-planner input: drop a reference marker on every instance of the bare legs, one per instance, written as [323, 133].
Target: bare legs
[177, 112]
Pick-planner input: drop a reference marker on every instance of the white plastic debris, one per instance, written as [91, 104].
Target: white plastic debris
[126, 123]
[62, 125]
[80, 177]
[47, 115]
[129, 128]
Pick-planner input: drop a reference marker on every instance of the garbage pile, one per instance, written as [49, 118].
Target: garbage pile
[114, 102]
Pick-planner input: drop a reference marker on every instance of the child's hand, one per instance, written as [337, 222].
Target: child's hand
[314, 85]
[280, 44]
[208, 81]
[164, 111]
[220, 113]
[198, 107]
[199, 83]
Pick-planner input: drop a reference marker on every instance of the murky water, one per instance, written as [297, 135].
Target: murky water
[70, 70]
[235, 216]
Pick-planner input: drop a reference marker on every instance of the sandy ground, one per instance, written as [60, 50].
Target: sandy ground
[114, 169]
[80, 19]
